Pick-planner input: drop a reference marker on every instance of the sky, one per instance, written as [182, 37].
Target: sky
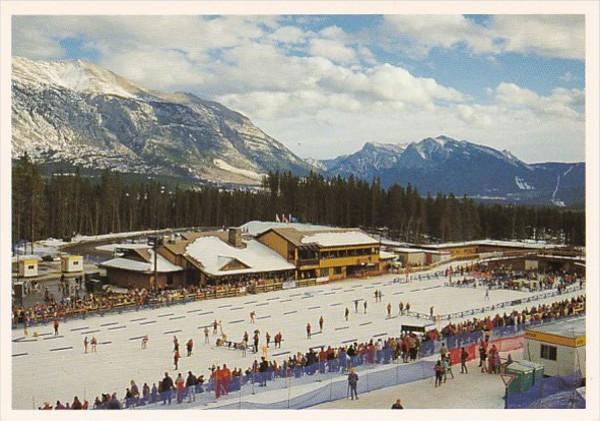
[325, 84]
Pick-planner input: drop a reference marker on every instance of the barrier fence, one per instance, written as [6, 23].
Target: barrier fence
[550, 392]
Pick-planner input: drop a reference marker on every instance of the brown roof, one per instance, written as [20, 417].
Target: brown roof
[143, 253]
[295, 236]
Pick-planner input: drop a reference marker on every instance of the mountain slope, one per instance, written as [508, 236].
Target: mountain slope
[77, 112]
[446, 165]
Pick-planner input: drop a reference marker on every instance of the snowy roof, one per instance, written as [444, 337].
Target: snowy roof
[114, 246]
[23, 257]
[497, 243]
[410, 250]
[162, 264]
[386, 255]
[342, 238]
[255, 228]
[214, 253]
[568, 328]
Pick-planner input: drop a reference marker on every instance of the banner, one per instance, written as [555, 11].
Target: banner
[288, 284]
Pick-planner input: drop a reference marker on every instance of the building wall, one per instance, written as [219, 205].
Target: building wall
[568, 359]
[28, 268]
[413, 259]
[132, 279]
[71, 264]
[277, 243]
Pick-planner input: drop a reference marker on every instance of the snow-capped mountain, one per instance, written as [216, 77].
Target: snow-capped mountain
[81, 113]
[446, 165]
[372, 159]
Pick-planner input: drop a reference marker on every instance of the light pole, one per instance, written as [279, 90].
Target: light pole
[155, 241]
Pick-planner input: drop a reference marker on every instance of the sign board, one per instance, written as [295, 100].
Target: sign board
[322, 279]
[288, 284]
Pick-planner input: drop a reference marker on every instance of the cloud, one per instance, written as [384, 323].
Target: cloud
[326, 89]
[567, 77]
[332, 49]
[561, 103]
[560, 36]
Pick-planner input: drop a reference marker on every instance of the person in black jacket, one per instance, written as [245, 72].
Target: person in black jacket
[262, 369]
[464, 356]
[397, 404]
[353, 383]
[167, 386]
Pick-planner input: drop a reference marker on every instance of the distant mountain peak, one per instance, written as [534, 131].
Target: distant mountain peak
[84, 114]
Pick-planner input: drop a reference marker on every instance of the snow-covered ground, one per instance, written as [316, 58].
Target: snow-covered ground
[475, 390]
[57, 368]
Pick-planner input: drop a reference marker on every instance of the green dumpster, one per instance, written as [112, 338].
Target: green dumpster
[526, 375]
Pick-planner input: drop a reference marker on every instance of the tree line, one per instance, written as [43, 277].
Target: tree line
[62, 205]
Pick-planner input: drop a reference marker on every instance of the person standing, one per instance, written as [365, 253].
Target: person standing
[145, 342]
[94, 342]
[487, 294]
[165, 387]
[482, 357]
[389, 310]
[447, 368]
[464, 356]
[268, 338]
[180, 386]
[353, 383]
[365, 306]
[175, 344]
[215, 327]
[176, 358]
[85, 345]
[356, 306]
[397, 404]
[346, 313]
[206, 340]
[431, 312]
[256, 339]
[308, 330]
[439, 373]
[189, 345]
[401, 308]
[321, 321]
[56, 327]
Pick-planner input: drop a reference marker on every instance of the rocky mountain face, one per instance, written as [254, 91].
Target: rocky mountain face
[83, 114]
[446, 165]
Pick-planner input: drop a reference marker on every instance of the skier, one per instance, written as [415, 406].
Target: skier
[407, 308]
[431, 312]
[308, 330]
[346, 312]
[389, 310]
[439, 373]
[268, 338]
[487, 294]
[175, 344]
[256, 339]
[176, 358]
[85, 345]
[253, 317]
[401, 308]
[189, 345]
[464, 356]
[145, 342]
[56, 327]
[365, 306]
[206, 335]
[356, 306]
[94, 342]
[376, 296]
[321, 324]
[215, 326]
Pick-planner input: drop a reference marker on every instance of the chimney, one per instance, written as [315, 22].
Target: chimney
[235, 237]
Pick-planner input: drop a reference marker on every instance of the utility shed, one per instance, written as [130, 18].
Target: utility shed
[559, 345]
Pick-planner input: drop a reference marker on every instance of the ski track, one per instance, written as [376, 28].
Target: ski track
[119, 358]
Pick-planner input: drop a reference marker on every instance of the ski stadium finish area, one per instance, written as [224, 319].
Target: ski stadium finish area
[62, 370]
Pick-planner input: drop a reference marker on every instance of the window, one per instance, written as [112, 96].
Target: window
[548, 352]
[30, 267]
[324, 272]
[76, 262]
[337, 270]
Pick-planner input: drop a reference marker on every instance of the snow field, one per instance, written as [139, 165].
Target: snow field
[61, 370]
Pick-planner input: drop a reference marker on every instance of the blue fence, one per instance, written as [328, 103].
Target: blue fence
[550, 392]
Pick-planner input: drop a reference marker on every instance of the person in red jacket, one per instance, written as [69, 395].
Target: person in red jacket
[225, 380]
[176, 358]
[56, 327]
